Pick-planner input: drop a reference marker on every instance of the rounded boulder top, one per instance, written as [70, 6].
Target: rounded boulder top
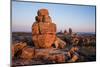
[43, 12]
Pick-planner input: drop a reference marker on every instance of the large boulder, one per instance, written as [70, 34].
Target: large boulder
[17, 49]
[43, 30]
[27, 53]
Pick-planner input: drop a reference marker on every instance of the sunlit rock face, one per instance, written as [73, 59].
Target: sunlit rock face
[27, 53]
[43, 30]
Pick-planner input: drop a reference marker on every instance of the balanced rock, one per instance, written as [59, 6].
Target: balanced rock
[43, 30]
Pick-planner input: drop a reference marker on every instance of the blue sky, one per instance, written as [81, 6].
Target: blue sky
[79, 18]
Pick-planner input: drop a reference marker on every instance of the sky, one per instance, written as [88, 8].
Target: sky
[78, 17]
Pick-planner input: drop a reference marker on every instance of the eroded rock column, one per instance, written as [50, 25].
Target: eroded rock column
[43, 30]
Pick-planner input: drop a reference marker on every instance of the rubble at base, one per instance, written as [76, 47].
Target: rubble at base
[43, 56]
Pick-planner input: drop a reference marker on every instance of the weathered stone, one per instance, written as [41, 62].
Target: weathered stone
[27, 53]
[74, 57]
[51, 54]
[47, 19]
[74, 49]
[60, 58]
[59, 43]
[39, 18]
[41, 53]
[35, 28]
[42, 12]
[72, 53]
[57, 58]
[17, 47]
[43, 30]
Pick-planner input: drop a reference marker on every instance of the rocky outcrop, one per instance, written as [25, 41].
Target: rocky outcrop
[44, 38]
[43, 30]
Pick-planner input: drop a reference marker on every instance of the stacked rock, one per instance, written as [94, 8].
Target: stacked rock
[43, 30]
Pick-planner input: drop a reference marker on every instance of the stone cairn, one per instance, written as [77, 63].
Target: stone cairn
[43, 30]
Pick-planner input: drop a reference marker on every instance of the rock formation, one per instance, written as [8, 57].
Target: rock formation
[43, 30]
[70, 31]
[44, 38]
[65, 32]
